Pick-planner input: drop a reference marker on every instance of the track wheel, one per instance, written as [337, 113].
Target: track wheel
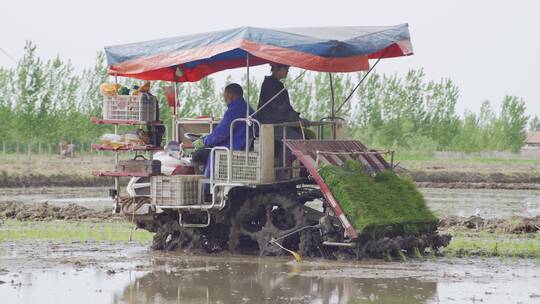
[263, 217]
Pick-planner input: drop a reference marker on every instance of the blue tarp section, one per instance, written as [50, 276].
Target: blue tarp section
[315, 48]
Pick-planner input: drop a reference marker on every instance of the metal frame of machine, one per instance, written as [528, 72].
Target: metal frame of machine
[237, 185]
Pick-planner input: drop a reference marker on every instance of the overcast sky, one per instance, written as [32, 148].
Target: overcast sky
[489, 48]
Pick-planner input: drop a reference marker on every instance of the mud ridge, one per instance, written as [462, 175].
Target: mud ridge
[511, 225]
[460, 179]
[445, 179]
[45, 212]
[483, 185]
[59, 180]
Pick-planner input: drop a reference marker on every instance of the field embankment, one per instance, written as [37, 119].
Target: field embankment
[471, 173]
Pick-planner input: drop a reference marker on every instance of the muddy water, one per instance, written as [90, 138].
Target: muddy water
[487, 203]
[128, 273]
[44, 272]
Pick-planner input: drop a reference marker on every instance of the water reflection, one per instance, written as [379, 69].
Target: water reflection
[207, 282]
[139, 277]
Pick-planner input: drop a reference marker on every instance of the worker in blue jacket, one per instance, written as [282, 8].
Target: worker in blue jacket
[220, 136]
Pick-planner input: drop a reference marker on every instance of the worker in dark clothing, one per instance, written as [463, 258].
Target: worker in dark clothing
[275, 107]
[279, 108]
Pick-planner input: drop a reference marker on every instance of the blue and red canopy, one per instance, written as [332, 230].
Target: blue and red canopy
[323, 49]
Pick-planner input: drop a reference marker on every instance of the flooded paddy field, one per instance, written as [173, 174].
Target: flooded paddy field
[93, 261]
[49, 272]
[486, 203]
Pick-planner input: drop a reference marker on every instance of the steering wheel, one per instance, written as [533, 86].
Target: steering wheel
[192, 136]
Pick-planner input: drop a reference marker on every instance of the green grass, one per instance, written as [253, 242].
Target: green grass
[412, 156]
[485, 244]
[67, 231]
[373, 204]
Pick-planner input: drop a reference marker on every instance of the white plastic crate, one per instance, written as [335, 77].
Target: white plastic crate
[176, 190]
[243, 170]
[126, 107]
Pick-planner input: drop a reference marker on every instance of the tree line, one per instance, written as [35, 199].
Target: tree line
[47, 100]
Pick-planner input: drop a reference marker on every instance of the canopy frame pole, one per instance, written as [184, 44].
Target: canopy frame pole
[333, 109]
[173, 127]
[247, 108]
[247, 74]
[361, 81]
